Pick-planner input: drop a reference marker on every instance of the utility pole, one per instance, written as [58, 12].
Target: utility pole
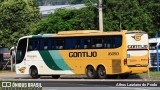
[11, 60]
[100, 16]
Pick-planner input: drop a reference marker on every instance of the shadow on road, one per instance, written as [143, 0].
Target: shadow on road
[75, 77]
[13, 75]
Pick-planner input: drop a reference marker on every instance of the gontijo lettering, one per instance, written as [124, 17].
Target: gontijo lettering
[83, 54]
[137, 46]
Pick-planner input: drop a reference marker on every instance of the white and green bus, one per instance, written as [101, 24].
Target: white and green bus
[94, 53]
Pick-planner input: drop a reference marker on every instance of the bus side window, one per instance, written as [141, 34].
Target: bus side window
[60, 44]
[49, 45]
[78, 41]
[87, 43]
[71, 43]
[108, 42]
[30, 46]
[117, 41]
[53, 44]
[35, 45]
[56, 44]
[45, 47]
[113, 41]
[93, 43]
[97, 42]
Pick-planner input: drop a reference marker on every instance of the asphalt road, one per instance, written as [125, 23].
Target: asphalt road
[13, 75]
[68, 82]
[76, 84]
[101, 88]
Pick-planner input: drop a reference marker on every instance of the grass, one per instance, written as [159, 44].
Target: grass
[1, 71]
[153, 74]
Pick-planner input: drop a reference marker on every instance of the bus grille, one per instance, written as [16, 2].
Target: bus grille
[116, 66]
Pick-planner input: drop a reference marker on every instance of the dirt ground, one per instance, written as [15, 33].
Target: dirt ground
[11, 75]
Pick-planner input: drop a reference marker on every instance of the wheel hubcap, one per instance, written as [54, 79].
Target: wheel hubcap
[102, 72]
[90, 72]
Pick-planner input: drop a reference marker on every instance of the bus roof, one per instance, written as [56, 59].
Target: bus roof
[78, 32]
[154, 40]
[81, 33]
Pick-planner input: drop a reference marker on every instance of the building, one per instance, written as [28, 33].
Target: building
[45, 10]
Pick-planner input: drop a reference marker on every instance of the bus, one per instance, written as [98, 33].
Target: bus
[153, 43]
[86, 52]
[4, 57]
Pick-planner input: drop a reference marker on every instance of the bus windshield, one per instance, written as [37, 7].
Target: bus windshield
[21, 50]
[152, 46]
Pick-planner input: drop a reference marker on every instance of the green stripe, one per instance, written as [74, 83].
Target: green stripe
[36, 36]
[54, 60]
[59, 60]
[49, 60]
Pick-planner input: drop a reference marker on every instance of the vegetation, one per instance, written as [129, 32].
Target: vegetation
[20, 17]
[82, 1]
[117, 14]
[1, 71]
[17, 18]
[152, 74]
[68, 19]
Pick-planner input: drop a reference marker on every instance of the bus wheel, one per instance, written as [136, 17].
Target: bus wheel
[101, 72]
[34, 73]
[55, 76]
[124, 76]
[112, 76]
[91, 73]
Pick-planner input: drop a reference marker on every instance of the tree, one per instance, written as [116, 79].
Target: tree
[17, 18]
[68, 19]
[117, 15]
[82, 1]
[76, 1]
[127, 13]
[153, 8]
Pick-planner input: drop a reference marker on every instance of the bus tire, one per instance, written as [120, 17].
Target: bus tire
[34, 73]
[102, 72]
[55, 76]
[124, 76]
[91, 73]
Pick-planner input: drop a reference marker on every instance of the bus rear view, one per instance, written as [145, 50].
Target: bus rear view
[153, 50]
[137, 52]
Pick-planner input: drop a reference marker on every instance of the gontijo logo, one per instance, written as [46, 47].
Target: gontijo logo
[22, 69]
[137, 37]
